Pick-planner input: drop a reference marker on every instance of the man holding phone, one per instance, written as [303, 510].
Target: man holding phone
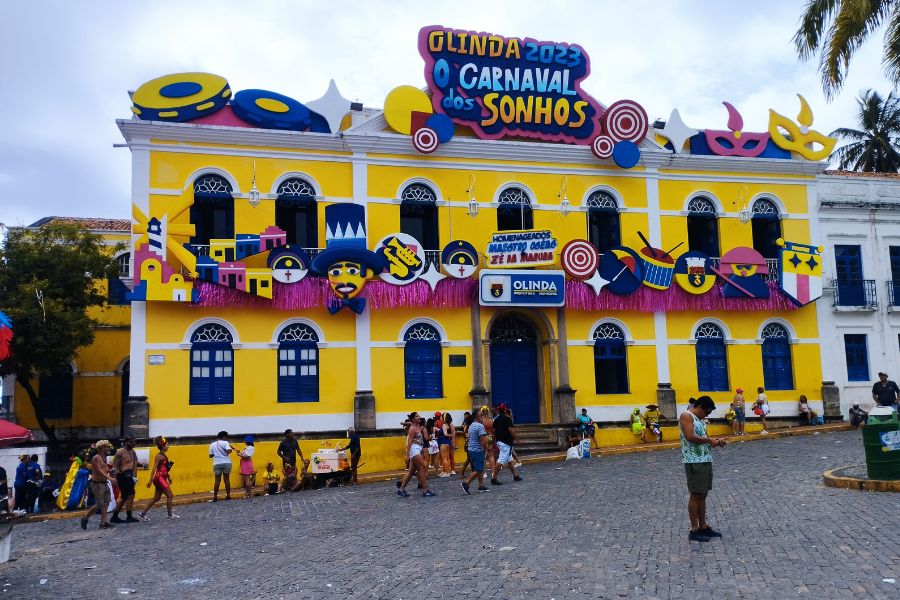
[696, 454]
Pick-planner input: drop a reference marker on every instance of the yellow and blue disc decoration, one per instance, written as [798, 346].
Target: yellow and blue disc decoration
[270, 110]
[692, 273]
[459, 259]
[180, 97]
[400, 104]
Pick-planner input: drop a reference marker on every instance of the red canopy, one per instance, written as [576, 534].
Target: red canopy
[12, 434]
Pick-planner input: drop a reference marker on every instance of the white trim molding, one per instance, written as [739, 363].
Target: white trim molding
[298, 175]
[720, 208]
[207, 321]
[298, 321]
[613, 321]
[532, 199]
[208, 426]
[189, 184]
[421, 181]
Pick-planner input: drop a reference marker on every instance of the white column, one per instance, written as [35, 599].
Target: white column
[654, 234]
[363, 325]
[138, 351]
[140, 184]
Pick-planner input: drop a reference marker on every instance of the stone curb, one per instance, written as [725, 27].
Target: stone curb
[852, 483]
[529, 460]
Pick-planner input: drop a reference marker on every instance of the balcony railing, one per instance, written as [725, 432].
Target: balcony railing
[774, 265]
[893, 289]
[855, 292]
[432, 257]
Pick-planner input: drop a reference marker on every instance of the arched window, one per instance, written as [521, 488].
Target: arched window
[298, 364]
[514, 211]
[213, 210]
[117, 291]
[295, 212]
[55, 394]
[422, 362]
[703, 226]
[610, 364]
[712, 361]
[419, 215]
[604, 230]
[212, 365]
[778, 371]
[766, 223]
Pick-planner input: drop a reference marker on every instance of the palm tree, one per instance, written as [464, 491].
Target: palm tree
[838, 28]
[876, 145]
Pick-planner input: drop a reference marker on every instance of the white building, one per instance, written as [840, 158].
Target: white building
[859, 314]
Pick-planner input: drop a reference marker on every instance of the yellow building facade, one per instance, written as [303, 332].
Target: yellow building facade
[86, 401]
[298, 356]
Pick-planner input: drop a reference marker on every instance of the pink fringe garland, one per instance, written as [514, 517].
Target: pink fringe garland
[313, 292]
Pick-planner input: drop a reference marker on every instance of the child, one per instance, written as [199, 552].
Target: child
[271, 478]
[306, 478]
[731, 417]
[289, 484]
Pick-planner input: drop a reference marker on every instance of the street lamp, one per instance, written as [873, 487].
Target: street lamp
[564, 199]
[254, 191]
[473, 203]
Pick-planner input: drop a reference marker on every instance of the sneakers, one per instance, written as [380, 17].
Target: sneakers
[402, 493]
[172, 516]
[517, 465]
[116, 519]
[428, 494]
[84, 523]
[517, 478]
[484, 489]
[442, 475]
[763, 432]
[465, 487]
[143, 517]
[709, 532]
[696, 536]
[496, 481]
[132, 520]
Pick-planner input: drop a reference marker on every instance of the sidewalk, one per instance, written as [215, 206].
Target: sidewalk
[528, 460]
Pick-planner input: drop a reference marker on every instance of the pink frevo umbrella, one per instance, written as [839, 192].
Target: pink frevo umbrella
[12, 434]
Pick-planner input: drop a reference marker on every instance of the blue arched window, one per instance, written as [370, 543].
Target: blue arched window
[610, 364]
[778, 372]
[712, 360]
[296, 212]
[212, 365]
[212, 212]
[514, 211]
[298, 364]
[422, 362]
[604, 230]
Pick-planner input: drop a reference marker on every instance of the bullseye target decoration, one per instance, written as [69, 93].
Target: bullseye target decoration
[180, 97]
[602, 146]
[579, 259]
[425, 140]
[625, 120]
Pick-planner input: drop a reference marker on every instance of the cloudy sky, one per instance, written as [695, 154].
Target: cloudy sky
[66, 68]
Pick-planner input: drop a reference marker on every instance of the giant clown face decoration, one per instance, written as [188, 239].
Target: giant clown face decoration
[346, 278]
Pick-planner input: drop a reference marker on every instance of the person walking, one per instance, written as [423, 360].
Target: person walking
[99, 482]
[21, 496]
[161, 480]
[445, 444]
[477, 448]
[246, 466]
[124, 464]
[740, 414]
[289, 449]
[33, 485]
[468, 419]
[504, 438]
[416, 439]
[219, 451]
[885, 392]
[696, 454]
[761, 408]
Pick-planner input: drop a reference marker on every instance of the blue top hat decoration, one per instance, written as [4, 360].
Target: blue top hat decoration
[345, 239]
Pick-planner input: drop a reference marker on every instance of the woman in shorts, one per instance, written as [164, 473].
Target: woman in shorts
[416, 440]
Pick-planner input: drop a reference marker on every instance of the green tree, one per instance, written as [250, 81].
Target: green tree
[837, 28]
[875, 146]
[48, 284]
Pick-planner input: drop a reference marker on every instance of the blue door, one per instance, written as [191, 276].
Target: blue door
[514, 379]
[848, 268]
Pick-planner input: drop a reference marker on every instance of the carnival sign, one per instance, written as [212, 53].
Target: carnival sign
[516, 249]
[521, 288]
[503, 86]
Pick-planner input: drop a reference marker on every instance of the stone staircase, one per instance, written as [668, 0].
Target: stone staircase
[538, 439]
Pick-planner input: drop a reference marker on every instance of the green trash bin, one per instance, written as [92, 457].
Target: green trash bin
[881, 439]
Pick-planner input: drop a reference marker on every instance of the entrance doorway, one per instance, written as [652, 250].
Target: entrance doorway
[514, 368]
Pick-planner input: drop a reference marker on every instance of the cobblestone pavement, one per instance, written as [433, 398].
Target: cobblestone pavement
[605, 528]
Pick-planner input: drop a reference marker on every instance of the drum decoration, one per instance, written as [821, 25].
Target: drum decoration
[180, 97]
[659, 266]
[270, 110]
[622, 270]
[692, 273]
[579, 259]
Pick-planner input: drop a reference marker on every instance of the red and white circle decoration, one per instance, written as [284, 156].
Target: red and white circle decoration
[425, 140]
[625, 120]
[602, 146]
[579, 259]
